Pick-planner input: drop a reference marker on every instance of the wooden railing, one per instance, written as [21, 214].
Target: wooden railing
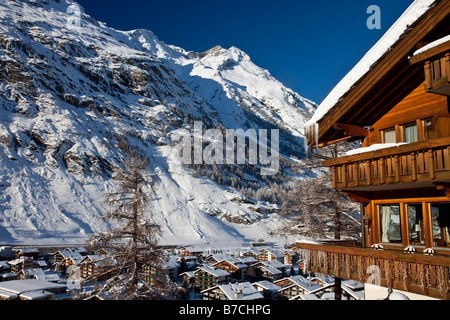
[415, 162]
[437, 74]
[412, 272]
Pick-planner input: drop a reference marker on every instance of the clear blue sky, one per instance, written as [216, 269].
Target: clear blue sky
[307, 45]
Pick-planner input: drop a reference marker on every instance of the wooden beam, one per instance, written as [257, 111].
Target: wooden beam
[430, 53]
[351, 129]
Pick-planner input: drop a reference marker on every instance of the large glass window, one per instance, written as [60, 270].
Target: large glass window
[390, 225]
[415, 224]
[410, 133]
[440, 223]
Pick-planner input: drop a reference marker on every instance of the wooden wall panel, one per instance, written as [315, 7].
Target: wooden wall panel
[417, 105]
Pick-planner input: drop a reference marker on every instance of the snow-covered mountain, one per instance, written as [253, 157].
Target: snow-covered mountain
[75, 95]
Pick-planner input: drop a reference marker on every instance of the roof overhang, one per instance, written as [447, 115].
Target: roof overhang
[388, 80]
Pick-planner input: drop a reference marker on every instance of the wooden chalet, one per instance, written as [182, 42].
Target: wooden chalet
[267, 270]
[294, 286]
[233, 291]
[206, 277]
[268, 289]
[22, 263]
[97, 266]
[270, 255]
[395, 101]
[28, 252]
[237, 270]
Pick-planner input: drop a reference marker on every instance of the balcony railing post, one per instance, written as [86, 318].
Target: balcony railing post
[397, 168]
[432, 164]
[414, 166]
[333, 169]
[383, 171]
[428, 76]
[447, 66]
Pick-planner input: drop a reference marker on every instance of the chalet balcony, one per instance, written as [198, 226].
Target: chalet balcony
[437, 75]
[412, 272]
[425, 161]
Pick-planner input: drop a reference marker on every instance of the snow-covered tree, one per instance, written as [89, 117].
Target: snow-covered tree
[314, 210]
[133, 243]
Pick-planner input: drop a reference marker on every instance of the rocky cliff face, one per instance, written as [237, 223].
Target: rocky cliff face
[74, 100]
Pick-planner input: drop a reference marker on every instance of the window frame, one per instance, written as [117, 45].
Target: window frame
[426, 203]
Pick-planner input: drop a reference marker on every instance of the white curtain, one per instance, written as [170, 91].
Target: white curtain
[410, 133]
[389, 136]
[385, 223]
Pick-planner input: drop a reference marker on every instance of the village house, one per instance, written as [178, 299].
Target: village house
[268, 289]
[293, 286]
[232, 291]
[206, 277]
[32, 289]
[262, 271]
[290, 258]
[169, 269]
[237, 270]
[192, 251]
[250, 253]
[270, 255]
[395, 102]
[96, 267]
[19, 264]
[64, 258]
[27, 252]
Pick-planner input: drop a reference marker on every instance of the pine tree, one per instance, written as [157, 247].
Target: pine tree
[133, 243]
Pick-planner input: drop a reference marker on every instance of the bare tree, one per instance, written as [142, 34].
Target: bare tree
[134, 242]
[315, 211]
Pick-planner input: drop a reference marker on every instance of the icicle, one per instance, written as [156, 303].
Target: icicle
[316, 134]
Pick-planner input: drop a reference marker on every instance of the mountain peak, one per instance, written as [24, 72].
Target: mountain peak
[74, 102]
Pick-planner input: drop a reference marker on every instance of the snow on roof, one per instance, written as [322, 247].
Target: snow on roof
[8, 295]
[271, 269]
[36, 295]
[275, 264]
[304, 283]
[417, 9]
[267, 285]
[357, 294]
[214, 272]
[309, 297]
[241, 291]
[432, 45]
[22, 286]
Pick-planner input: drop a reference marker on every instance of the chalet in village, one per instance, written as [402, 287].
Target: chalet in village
[395, 101]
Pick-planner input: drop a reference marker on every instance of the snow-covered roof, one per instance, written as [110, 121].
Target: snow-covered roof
[354, 289]
[22, 286]
[215, 272]
[309, 297]
[267, 285]
[36, 295]
[432, 45]
[275, 264]
[241, 291]
[304, 283]
[417, 9]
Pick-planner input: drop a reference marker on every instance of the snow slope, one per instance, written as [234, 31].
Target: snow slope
[73, 100]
